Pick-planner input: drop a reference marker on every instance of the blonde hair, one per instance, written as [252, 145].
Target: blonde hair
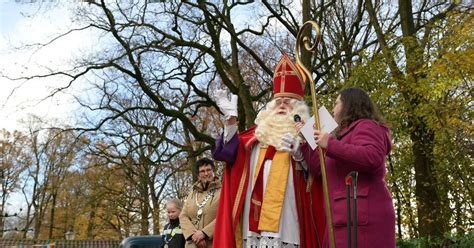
[177, 203]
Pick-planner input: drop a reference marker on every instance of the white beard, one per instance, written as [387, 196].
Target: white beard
[271, 126]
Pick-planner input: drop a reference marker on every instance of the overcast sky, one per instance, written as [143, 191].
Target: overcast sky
[22, 24]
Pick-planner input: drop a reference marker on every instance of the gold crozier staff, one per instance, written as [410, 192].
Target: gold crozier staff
[300, 38]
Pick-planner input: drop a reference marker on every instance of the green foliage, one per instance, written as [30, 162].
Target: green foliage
[449, 76]
[444, 86]
[449, 240]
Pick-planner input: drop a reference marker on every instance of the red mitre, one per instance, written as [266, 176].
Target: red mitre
[288, 80]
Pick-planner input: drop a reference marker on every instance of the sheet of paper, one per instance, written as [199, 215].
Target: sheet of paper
[328, 124]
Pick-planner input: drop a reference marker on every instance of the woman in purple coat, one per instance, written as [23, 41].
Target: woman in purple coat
[360, 143]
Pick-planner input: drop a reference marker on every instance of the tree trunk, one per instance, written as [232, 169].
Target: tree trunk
[37, 225]
[91, 223]
[51, 217]
[305, 55]
[430, 217]
[429, 206]
[145, 209]
[2, 214]
[398, 200]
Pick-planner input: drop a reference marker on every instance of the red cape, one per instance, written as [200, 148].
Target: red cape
[310, 205]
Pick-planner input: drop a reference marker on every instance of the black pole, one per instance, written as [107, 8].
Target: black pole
[351, 180]
[349, 219]
[354, 184]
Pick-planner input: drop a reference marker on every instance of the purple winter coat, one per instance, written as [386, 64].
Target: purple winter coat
[362, 147]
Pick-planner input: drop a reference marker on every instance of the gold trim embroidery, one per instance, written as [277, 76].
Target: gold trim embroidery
[242, 179]
[285, 60]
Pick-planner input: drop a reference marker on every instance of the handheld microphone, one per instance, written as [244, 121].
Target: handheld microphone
[297, 118]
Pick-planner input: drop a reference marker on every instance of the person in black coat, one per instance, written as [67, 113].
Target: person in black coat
[172, 234]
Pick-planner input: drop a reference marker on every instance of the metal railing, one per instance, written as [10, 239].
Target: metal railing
[35, 243]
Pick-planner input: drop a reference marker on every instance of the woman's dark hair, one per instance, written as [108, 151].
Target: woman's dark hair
[203, 162]
[356, 104]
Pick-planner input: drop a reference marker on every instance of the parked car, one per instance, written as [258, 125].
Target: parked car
[142, 242]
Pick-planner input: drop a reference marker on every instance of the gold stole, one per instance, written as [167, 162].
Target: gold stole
[275, 189]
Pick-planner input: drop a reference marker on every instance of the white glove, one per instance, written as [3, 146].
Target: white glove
[292, 145]
[228, 107]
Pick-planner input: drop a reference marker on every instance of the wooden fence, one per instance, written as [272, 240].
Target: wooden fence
[32, 243]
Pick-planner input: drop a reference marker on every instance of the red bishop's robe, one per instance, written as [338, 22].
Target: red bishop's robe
[228, 226]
